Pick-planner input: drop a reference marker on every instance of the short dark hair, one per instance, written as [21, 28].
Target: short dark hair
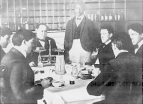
[5, 31]
[122, 41]
[136, 27]
[22, 34]
[108, 27]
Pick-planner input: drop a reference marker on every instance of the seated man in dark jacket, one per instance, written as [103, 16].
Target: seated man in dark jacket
[44, 41]
[121, 80]
[18, 75]
[105, 52]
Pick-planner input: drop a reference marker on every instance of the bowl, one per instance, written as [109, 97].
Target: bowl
[57, 84]
[84, 72]
[86, 76]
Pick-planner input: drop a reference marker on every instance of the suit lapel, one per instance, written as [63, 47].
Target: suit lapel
[38, 44]
[82, 25]
[47, 43]
[73, 27]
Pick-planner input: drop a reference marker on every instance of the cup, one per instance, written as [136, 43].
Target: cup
[72, 82]
[60, 65]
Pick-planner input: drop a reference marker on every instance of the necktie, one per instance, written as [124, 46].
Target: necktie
[78, 18]
[42, 40]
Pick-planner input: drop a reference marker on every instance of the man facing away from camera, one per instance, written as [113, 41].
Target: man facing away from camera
[121, 79]
[17, 74]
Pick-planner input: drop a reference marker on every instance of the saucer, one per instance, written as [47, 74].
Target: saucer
[57, 84]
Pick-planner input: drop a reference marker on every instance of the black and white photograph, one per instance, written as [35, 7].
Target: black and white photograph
[71, 51]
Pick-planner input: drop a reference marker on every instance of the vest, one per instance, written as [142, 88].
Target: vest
[77, 31]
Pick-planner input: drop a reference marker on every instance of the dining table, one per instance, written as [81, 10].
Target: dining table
[69, 93]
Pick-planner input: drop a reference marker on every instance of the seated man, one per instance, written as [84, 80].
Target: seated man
[136, 34]
[4, 40]
[17, 74]
[105, 52]
[42, 41]
[121, 80]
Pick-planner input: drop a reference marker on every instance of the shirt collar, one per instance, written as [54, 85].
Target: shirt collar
[106, 43]
[20, 49]
[121, 51]
[140, 43]
[82, 16]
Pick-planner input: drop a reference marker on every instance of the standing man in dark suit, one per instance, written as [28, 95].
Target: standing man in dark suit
[80, 37]
[44, 41]
[121, 79]
[135, 32]
[17, 74]
[4, 39]
[105, 52]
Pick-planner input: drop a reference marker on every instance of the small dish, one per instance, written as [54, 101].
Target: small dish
[57, 84]
[84, 72]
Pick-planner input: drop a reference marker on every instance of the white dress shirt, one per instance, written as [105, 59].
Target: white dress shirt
[42, 43]
[79, 19]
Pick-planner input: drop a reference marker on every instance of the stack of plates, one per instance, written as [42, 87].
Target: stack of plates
[85, 75]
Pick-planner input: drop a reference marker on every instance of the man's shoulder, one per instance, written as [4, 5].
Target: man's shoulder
[126, 57]
[88, 20]
[10, 56]
[71, 20]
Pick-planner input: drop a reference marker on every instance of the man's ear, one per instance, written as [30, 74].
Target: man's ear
[23, 42]
[111, 34]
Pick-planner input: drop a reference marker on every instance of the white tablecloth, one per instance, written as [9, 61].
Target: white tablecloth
[69, 94]
[75, 94]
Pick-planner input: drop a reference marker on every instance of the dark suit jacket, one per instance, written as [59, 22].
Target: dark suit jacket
[2, 53]
[34, 55]
[88, 36]
[121, 81]
[140, 52]
[19, 80]
[105, 54]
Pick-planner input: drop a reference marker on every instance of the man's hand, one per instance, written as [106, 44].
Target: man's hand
[94, 54]
[47, 82]
[32, 64]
